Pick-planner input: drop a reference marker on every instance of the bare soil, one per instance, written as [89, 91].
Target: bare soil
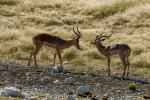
[14, 73]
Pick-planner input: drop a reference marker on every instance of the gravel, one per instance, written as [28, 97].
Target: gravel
[14, 73]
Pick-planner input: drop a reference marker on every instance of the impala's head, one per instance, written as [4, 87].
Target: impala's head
[100, 38]
[76, 38]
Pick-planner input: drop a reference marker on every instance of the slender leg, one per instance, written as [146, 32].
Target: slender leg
[31, 54]
[128, 66]
[125, 66]
[127, 62]
[108, 59]
[60, 59]
[55, 53]
[37, 48]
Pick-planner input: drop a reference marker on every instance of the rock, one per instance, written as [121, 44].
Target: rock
[85, 76]
[11, 80]
[32, 98]
[84, 91]
[46, 80]
[146, 97]
[57, 69]
[94, 98]
[71, 97]
[12, 91]
[104, 97]
[70, 81]
[56, 81]
[65, 62]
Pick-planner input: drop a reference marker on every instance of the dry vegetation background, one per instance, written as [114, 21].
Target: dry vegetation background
[128, 20]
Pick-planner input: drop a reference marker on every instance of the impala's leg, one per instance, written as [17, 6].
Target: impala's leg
[59, 55]
[109, 60]
[37, 48]
[128, 67]
[55, 53]
[31, 54]
[127, 60]
[125, 65]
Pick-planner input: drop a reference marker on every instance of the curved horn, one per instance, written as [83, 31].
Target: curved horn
[75, 32]
[100, 35]
[79, 33]
[105, 37]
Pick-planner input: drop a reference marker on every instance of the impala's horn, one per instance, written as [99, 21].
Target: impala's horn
[79, 33]
[105, 37]
[75, 32]
[99, 36]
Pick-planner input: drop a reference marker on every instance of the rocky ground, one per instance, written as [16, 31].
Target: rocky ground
[28, 80]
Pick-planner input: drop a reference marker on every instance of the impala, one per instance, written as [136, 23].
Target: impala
[123, 50]
[54, 42]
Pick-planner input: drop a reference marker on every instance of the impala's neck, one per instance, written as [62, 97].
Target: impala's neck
[67, 44]
[101, 48]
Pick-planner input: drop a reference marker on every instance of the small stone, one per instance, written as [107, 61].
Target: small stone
[85, 77]
[65, 62]
[70, 81]
[146, 97]
[57, 69]
[56, 81]
[148, 81]
[84, 91]
[71, 97]
[11, 80]
[11, 91]
[94, 98]
[104, 97]
[46, 80]
[32, 98]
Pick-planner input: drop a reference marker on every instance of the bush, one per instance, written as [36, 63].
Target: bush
[6, 12]
[132, 86]
[71, 54]
[53, 22]
[9, 2]
[94, 55]
[110, 9]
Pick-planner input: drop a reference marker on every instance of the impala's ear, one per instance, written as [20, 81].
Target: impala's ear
[97, 37]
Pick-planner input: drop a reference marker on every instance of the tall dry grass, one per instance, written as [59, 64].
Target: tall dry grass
[128, 20]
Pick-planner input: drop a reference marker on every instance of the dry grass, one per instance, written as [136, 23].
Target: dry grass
[9, 2]
[128, 20]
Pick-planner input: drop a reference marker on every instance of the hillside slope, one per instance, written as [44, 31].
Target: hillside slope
[127, 20]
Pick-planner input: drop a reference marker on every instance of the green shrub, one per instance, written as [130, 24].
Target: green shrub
[132, 86]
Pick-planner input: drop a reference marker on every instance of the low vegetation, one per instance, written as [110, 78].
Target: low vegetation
[9, 2]
[132, 86]
[128, 20]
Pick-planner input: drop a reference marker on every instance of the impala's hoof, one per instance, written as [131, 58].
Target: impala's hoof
[109, 74]
[123, 77]
[127, 74]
